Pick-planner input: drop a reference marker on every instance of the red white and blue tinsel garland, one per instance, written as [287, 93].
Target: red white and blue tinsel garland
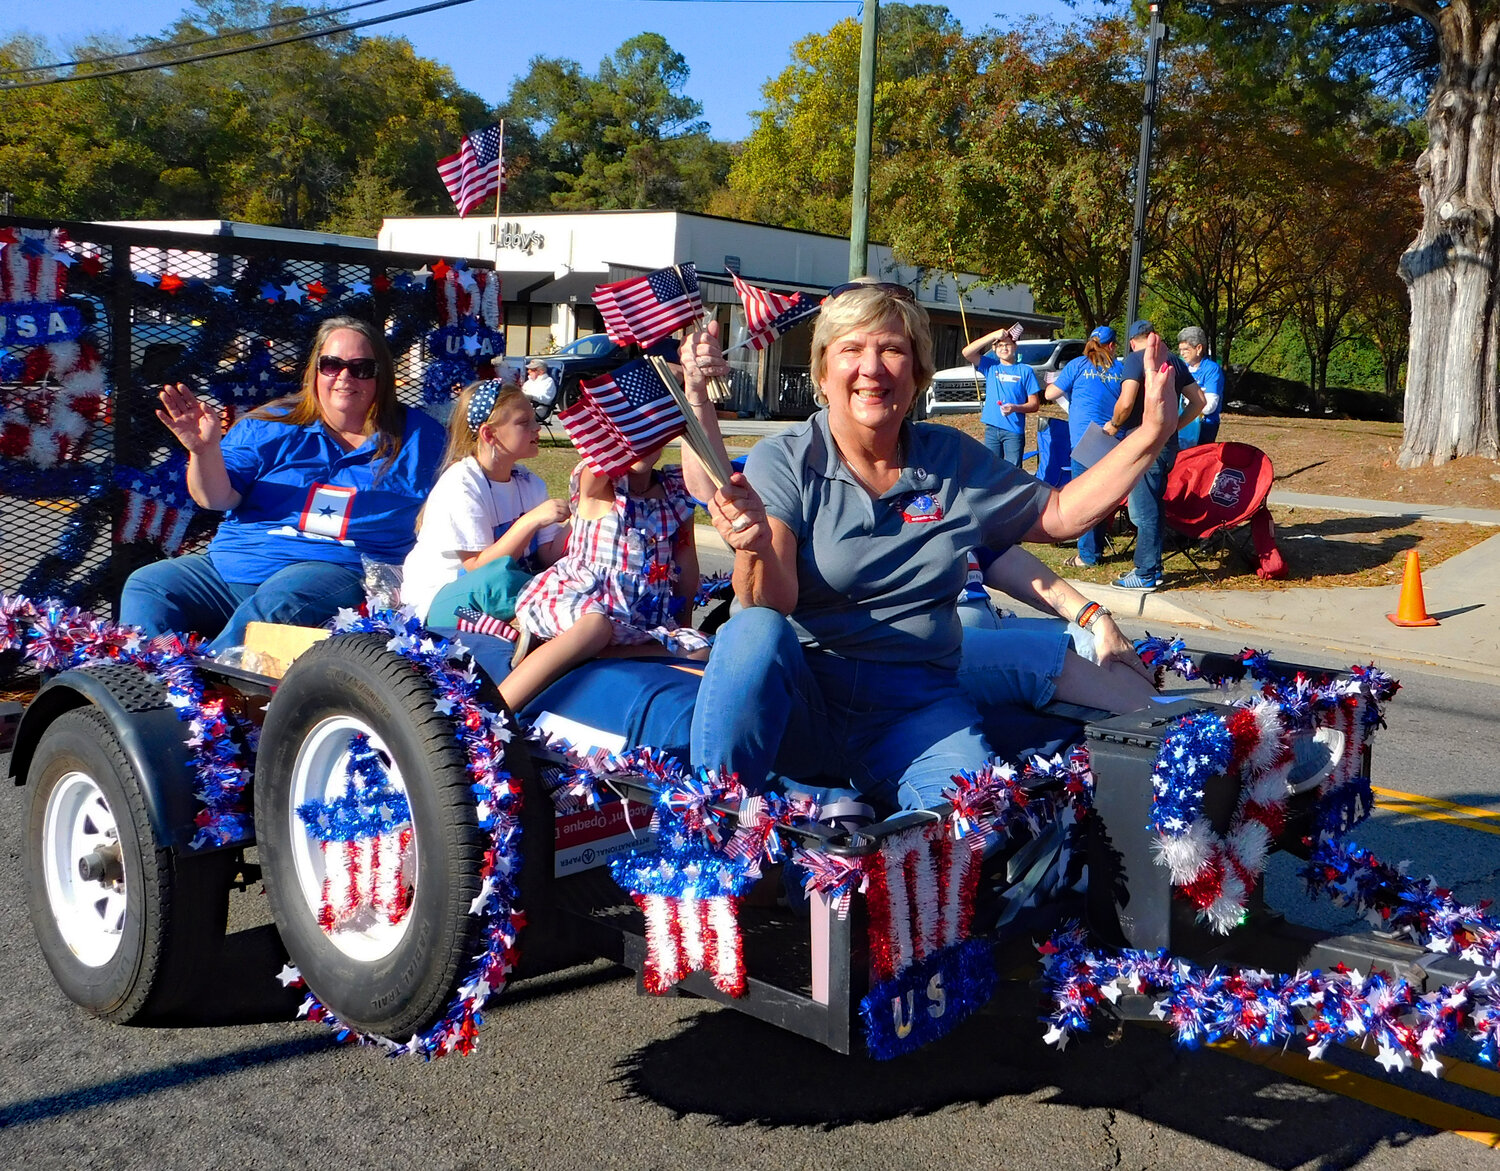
[57, 637]
[484, 734]
[688, 888]
[366, 838]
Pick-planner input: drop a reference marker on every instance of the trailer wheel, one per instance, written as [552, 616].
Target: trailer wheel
[387, 957]
[123, 925]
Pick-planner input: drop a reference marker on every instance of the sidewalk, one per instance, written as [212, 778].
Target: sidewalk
[1463, 594]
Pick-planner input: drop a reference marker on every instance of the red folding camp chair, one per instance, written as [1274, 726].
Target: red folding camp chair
[1215, 489]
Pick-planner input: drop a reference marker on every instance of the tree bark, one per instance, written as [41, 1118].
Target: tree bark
[1452, 392]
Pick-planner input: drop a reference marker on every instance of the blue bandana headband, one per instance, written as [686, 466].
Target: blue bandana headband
[482, 403]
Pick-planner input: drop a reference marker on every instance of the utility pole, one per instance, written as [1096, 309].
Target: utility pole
[859, 211]
[1156, 32]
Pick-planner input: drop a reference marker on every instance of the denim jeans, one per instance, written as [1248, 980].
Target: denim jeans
[1090, 542]
[1145, 511]
[187, 593]
[1017, 663]
[897, 732]
[1007, 445]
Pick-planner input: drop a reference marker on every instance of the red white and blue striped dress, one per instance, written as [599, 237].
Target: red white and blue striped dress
[620, 565]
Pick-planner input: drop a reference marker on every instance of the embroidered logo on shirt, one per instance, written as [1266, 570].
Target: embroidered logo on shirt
[921, 508]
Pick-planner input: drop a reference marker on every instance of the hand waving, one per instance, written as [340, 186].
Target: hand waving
[196, 425]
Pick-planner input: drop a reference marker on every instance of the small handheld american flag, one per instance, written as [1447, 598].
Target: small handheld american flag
[472, 620]
[622, 416]
[768, 315]
[645, 309]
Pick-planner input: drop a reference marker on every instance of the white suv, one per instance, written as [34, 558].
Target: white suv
[960, 388]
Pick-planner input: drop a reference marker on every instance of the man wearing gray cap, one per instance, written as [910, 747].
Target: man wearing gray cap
[539, 387]
[1192, 348]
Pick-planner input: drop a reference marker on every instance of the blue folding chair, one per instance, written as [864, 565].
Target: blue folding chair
[1053, 453]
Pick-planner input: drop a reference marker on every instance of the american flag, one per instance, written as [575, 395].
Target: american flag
[477, 171]
[473, 620]
[645, 309]
[768, 315]
[622, 416]
[1016, 331]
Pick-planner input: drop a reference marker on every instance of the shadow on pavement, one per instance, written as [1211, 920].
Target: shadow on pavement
[777, 1080]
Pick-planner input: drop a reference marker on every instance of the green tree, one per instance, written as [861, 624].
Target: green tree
[627, 137]
[796, 168]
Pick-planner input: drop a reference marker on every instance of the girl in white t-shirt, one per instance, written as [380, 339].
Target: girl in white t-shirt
[488, 524]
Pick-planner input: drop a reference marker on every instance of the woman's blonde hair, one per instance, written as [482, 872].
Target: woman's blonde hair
[387, 417]
[1101, 354]
[872, 308]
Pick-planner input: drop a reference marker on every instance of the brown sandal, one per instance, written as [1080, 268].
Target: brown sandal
[1076, 562]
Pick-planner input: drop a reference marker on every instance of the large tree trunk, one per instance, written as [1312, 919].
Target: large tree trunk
[1451, 267]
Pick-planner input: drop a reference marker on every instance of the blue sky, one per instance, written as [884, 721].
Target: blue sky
[732, 48]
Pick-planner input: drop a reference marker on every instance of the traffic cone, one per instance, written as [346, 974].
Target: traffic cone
[1411, 610]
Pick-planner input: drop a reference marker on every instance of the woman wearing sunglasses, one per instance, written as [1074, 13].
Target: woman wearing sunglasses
[843, 659]
[307, 484]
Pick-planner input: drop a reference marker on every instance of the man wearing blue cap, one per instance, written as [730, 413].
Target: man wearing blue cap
[1145, 498]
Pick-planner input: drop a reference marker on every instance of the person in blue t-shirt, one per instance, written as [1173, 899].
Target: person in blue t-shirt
[1091, 383]
[1145, 498]
[1192, 348]
[308, 484]
[1011, 393]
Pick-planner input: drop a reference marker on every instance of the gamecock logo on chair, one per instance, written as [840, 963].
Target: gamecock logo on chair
[1229, 485]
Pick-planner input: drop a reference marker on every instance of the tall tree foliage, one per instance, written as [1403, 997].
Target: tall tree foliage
[627, 137]
[298, 135]
[1341, 50]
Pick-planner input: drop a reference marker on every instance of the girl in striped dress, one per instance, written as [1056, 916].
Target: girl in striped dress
[629, 574]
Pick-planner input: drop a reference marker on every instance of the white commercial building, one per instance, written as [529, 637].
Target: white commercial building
[550, 262]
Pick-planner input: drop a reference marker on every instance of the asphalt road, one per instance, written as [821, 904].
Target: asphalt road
[576, 1070]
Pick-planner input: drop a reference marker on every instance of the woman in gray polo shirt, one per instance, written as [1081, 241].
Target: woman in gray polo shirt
[850, 558]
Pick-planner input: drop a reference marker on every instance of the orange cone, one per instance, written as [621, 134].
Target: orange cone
[1411, 610]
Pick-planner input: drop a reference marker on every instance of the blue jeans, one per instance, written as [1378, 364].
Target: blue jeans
[1145, 511]
[185, 594]
[896, 731]
[1005, 444]
[1090, 542]
[1016, 663]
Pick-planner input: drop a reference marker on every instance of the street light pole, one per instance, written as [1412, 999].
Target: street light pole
[859, 211]
[1156, 32]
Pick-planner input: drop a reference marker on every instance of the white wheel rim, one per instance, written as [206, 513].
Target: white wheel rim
[320, 774]
[89, 913]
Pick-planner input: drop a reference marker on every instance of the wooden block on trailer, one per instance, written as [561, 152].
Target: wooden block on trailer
[275, 646]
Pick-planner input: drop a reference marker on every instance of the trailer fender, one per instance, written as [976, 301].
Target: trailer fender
[150, 734]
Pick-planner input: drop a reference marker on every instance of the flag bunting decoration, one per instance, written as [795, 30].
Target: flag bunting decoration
[768, 315]
[645, 309]
[621, 416]
[477, 171]
[157, 507]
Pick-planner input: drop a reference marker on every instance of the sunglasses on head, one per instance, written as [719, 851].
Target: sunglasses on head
[849, 286]
[362, 369]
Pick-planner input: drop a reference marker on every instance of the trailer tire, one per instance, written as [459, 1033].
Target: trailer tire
[386, 975]
[129, 943]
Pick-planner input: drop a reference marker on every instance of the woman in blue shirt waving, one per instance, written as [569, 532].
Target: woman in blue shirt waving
[308, 484]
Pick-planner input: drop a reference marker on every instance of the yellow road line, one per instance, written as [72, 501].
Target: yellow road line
[1427, 813]
[1467, 1124]
[1437, 802]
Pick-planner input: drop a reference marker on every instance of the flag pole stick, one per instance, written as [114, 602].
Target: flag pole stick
[499, 186]
[712, 454]
[964, 317]
[718, 389]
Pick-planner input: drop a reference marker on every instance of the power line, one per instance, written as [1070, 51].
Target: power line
[307, 36]
[170, 45]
